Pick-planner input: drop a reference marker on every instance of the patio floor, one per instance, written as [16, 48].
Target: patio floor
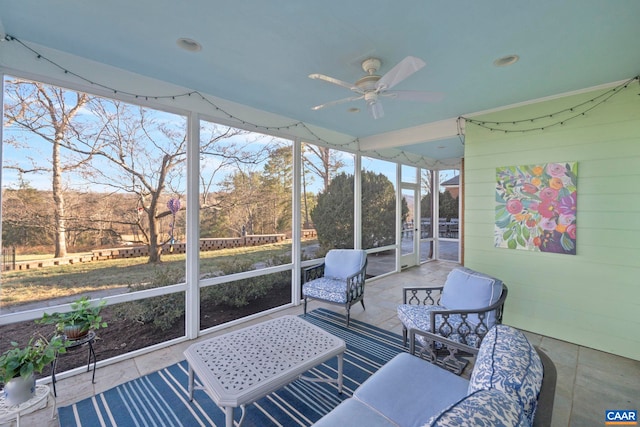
[589, 381]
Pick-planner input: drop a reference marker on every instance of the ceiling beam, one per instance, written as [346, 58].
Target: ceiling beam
[423, 133]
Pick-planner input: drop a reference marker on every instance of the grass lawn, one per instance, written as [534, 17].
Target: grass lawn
[21, 287]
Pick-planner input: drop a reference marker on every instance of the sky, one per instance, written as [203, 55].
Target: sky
[32, 149]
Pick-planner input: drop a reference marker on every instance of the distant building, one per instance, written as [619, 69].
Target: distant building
[452, 186]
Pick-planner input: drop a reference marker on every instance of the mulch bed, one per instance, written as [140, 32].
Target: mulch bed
[124, 335]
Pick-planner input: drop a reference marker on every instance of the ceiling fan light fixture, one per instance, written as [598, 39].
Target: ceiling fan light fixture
[375, 109]
[506, 60]
[189, 44]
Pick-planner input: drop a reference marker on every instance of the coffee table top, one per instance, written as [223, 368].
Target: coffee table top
[242, 366]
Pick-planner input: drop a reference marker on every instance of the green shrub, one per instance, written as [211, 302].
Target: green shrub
[165, 310]
[162, 311]
[240, 292]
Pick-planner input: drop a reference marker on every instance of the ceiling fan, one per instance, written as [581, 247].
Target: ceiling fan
[372, 86]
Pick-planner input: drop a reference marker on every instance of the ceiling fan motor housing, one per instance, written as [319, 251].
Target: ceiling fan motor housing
[367, 83]
[371, 65]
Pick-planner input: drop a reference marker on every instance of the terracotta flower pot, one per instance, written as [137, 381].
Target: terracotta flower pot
[75, 332]
[19, 390]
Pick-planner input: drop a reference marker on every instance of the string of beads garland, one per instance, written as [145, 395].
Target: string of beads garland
[571, 113]
[177, 96]
[575, 111]
[244, 123]
[228, 115]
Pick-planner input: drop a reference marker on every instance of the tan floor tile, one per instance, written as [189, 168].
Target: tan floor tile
[75, 388]
[612, 387]
[560, 352]
[600, 359]
[109, 376]
[562, 406]
[566, 378]
[590, 404]
[533, 338]
[151, 362]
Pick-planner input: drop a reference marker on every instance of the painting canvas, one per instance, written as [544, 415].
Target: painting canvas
[536, 207]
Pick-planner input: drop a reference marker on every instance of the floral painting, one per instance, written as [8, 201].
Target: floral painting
[536, 207]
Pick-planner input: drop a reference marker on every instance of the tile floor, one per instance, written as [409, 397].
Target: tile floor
[589, 381]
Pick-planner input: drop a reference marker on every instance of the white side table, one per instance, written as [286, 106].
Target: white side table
[13, 412]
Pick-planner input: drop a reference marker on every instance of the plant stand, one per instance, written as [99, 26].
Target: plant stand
[88, 340]
[9, 413]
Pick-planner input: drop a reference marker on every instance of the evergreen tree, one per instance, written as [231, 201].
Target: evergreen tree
[333, 214]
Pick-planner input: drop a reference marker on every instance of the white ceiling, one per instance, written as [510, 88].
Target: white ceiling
[259, 53]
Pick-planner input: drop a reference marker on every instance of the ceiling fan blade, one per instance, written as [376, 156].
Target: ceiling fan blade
[333, 81]
[414, 95]
[375, 109]
[339, 101]
[401, 71]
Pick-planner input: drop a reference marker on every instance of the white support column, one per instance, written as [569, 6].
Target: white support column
[357, 203]
[418, 215]
[461, 214]
[1, 151]
[435, 206]
[398, 217]
[296, 231]
[192, 300]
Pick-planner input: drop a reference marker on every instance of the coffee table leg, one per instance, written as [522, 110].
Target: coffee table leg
[228, 414]
[340, 363]
[190, 382]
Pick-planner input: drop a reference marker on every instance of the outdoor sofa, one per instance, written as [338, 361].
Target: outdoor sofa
[512, 384]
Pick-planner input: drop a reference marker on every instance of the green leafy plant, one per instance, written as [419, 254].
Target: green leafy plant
[162, 311]
[83, 314]
[24, 361]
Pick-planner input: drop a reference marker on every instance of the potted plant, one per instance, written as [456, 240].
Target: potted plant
[19, 364]
[75, 324]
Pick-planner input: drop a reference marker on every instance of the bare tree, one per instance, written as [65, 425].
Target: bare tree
[222, 149]
[120, 150]
[50, 113]
[26, 216]
[135, 150]
[145, 154]
[322, 161]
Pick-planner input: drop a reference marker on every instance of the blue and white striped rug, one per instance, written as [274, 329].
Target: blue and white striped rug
[161, 398]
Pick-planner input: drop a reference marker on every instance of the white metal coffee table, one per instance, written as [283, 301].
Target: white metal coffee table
[240, 367]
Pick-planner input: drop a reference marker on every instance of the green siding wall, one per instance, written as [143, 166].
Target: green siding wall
[592, 298]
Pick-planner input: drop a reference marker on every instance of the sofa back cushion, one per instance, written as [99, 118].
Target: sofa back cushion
[342, 263]
[468, 289]
[482, 408]
[509, 363]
